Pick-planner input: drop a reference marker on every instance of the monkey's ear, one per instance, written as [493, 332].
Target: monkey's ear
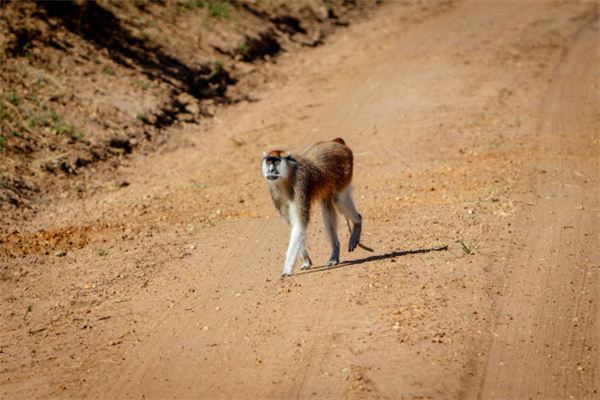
[264, 154]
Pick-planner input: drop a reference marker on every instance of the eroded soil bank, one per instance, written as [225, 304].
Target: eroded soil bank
[84, 85]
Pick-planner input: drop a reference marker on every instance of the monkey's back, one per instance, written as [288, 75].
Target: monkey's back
[329, 167]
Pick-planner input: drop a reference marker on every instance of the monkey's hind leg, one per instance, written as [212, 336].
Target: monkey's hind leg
[345, 205]
[330, 221]
[306, 261]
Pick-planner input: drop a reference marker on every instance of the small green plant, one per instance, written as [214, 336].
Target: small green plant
[218, 64]
[101, 252]
[109, 71]
[216, 8]
[3, 112]
[13, 98]
[40, 82]
[219, 9]
[217, 68]
[58, 126]
[192, 4]
[465, 247]
[2, 143]
[145, 85]
[35, 120]
[144, 36]
[26, 47]
[78, 135]
[242, 48]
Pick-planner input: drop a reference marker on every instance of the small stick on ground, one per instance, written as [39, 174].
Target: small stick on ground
[362, 246]
[29, 308]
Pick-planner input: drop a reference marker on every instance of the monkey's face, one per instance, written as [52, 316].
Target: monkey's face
[276, 167]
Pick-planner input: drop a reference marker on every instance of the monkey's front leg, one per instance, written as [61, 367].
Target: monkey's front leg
[297, 242]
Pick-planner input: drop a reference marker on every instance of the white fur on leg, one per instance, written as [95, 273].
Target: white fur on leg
[297, 242]
[345, 205]
[292, 252]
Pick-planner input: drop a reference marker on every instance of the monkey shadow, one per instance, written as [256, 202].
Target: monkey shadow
[376, 257]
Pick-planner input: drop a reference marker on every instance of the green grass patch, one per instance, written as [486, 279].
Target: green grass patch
[141, 116]
[219, 9]
[215, 8]
[192, 4]
[23, 114]
[52, 120]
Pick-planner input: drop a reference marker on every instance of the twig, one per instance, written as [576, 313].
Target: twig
[465, 248]
[362, 246]
[29, 308]
[34, 331]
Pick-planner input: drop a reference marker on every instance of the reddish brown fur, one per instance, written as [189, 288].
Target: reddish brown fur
[276, 153]
[318, 173]
[327, 168]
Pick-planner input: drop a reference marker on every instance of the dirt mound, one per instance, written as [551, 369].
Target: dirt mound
[87, 82]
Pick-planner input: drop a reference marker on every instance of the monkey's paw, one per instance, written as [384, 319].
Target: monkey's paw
[332, 262]
[306, 266]
[285, 275]
[354, 237]
[353, 243]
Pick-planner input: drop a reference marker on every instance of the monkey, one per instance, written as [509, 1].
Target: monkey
[321, 173]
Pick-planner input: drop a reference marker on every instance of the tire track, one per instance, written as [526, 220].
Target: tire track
[544, 348]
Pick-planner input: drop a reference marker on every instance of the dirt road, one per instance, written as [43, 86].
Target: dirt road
[473, 125]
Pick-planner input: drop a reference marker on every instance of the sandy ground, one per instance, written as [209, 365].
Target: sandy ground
[474, 125]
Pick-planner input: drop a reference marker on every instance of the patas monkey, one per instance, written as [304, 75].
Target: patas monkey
[322, 173]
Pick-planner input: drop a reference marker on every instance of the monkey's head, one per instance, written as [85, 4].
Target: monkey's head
[277, 164]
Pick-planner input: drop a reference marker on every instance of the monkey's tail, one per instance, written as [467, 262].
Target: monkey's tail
[362, 246]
